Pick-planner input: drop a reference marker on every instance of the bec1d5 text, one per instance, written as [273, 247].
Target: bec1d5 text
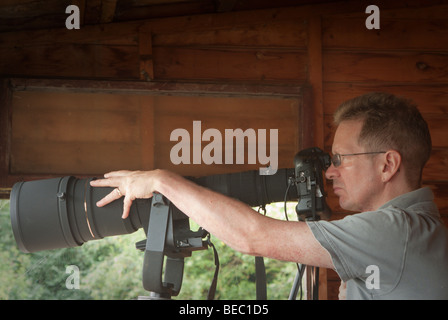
[226, 309]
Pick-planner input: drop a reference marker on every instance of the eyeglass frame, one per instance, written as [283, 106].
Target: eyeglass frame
[337, 163]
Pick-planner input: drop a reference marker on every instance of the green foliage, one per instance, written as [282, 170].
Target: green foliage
[111, 268]
[13, 264]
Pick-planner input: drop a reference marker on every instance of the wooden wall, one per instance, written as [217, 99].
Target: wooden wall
[79, 133]
[408, 56]
[325, 48]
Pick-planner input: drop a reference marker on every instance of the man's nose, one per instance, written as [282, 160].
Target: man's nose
[331, 172]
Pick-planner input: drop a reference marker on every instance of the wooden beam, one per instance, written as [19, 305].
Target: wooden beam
[157, 88]
[316, 106]
[5, 131]
[108, 10]
[225, 5]
[81, 4]
[315, 77]
[145, 54]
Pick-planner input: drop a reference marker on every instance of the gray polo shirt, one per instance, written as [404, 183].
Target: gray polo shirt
[399, 251]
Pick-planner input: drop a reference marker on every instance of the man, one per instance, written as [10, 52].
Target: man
[380, 147]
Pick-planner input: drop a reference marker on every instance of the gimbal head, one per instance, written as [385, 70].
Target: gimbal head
[168, 234]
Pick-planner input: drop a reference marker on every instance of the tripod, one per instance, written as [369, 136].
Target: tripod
[309, 165]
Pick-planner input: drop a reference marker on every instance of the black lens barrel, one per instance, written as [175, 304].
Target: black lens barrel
[62, 212]
[252, 188]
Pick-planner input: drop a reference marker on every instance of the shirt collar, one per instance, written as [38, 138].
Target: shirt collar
[419, 196]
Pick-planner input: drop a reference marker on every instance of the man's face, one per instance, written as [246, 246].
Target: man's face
[356, 181]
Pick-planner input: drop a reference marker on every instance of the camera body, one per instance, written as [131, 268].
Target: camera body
[309, 166]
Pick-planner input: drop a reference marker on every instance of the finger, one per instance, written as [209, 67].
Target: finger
[112, 196]
[110, 182]
[127, 203]
[118, 173]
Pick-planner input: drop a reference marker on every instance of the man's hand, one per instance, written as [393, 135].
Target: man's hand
[130, 184]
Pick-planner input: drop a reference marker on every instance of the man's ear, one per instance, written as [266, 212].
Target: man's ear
[391, 165]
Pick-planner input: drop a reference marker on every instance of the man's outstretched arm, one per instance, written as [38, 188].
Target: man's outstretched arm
[230, 220]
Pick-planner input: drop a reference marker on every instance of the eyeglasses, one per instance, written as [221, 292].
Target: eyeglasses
[336, 160]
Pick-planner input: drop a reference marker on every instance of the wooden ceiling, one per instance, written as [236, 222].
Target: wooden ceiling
[17, 15]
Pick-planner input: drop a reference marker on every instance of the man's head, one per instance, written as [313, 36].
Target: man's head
[380, 122]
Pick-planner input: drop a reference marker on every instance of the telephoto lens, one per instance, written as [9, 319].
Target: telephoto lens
[62, 212]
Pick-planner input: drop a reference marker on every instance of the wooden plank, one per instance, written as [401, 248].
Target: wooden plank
[401, 67]
[398, 10]
[81, 4]
[228, 64]
[123, 34]
[438, 125]
[440, 191]
[163, 9]
[68, 133]
[108, 10]
[430, 98]
[77, 158]
[145, 52]
[230, 113]
[445, 220]
[74, 126]
[226, 5]
[5, 130]
[96, 33]
[436, 168]
[315, 79]
[171, 88]
[266, 34]
[71, 60]
[147, 138]
[57, 122]
[244, 17]
[396, 33]
[72, 117]
[32, 14]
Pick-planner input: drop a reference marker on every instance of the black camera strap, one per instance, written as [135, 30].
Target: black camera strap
[212, 290]
[260, 278]
[260, 270]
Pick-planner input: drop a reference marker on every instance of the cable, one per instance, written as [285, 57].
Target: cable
[297, 285]
[290, 183]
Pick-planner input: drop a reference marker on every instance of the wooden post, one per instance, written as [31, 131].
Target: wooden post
[145, 53]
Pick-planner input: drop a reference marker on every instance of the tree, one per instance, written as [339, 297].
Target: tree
[111, 268]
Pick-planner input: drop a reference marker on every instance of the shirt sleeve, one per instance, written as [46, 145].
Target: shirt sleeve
[362, 240]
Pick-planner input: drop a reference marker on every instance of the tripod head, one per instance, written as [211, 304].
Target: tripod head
[309, 165]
